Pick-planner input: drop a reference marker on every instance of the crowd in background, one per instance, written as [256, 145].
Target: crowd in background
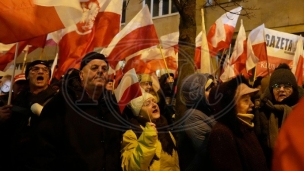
[76, 123]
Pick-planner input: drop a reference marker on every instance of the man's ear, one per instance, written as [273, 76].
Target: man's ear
[81, 75]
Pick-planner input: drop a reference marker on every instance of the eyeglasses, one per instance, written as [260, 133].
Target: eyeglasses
[149, 102]
[104, 68]
[278, 87]
[36, 69]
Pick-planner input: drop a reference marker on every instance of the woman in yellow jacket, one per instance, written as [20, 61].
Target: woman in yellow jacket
[148, 145]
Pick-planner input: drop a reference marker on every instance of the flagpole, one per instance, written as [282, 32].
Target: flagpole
[13, 75]
[221, 66]
[266, 53]
[24, 58]
[160, 48]
[41, 54]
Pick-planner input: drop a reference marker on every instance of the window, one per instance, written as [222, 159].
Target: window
[123, 13]
[161, 7]
[211, 2]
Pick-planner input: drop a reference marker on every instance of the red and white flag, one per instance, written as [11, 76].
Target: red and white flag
[8, 57]
[198, 48]
[25, 19]
[221, 32]
[237, 63]
[99, 24]
[137, 35]
[297, 66]
[5, 47]
[256, 47]
[149, 60]
[127, 89]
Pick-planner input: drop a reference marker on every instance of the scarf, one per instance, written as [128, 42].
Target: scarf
[246, 118]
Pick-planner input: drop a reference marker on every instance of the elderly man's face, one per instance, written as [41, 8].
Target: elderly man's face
[39, 76]
[94, 74]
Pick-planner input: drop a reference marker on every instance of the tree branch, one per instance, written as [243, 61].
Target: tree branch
[247, 12]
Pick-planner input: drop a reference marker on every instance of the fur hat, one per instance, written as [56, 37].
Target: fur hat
[138, 102]
[90, 56]
[282, 75]
[29, 66]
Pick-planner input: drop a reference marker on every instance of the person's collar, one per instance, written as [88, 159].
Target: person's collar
[246, 118]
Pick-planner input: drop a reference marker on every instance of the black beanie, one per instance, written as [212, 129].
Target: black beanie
[29, 66]
[282, 75]
[90, 56]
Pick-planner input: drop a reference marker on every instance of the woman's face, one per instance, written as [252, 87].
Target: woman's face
[244, 104]
[281, 91]
[150, 109]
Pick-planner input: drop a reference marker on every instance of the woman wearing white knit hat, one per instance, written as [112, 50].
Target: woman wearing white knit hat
[148, 145]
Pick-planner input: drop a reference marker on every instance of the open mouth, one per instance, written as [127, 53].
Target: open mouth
[155, 111]
[40, 78]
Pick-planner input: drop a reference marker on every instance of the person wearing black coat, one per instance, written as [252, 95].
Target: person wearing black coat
[232, 143]
[80, 127]
[197, 122]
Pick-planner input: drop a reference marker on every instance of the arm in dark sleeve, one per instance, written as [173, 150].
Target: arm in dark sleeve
[49, 136]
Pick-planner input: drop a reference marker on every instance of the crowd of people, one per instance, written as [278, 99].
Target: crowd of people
[77, 124]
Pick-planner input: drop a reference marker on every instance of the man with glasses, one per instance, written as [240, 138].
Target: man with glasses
[23, 121]
[80, 127]
[277, 102]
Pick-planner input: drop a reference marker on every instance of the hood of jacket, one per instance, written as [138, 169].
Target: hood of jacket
[193, 90]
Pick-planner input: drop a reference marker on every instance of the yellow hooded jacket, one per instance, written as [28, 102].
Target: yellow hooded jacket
[145, 153]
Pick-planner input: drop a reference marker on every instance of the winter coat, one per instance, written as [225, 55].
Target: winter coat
[77, 133]
[142, 150]
[23, 124]
[232, 152]
[196, 124]
[269, 117]
[232, 144]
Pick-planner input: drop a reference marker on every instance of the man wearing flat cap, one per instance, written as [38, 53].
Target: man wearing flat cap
[80, 128]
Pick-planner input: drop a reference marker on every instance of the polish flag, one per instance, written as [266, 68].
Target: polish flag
[237, 63]
[138, 34]
[221, 32]
[256, 47]
[197, 56]
[202, 59]
[170, 40]
[50, 41]
[149, 60]
[239, 53]
[25, 19]
[5, 47]
[297, 66]
[99, 24]
[8, 57]
[128, 89]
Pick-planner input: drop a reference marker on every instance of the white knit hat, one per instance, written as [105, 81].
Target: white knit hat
[138, 102]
